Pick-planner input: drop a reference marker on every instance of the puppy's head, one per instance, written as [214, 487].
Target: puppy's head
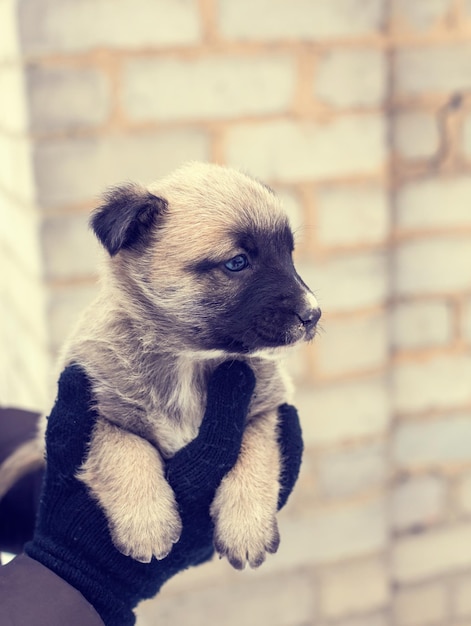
[207, 254]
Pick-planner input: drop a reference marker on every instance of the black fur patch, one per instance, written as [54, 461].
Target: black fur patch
[204, 266]
[126, 216]
[263, 306]
[255, 240]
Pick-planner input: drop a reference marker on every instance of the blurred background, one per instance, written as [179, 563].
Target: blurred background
[358, 112]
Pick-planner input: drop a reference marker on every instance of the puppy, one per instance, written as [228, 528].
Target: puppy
[199, 270]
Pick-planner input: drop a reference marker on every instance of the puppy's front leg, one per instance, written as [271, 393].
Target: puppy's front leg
[125, 474]
[245, 504]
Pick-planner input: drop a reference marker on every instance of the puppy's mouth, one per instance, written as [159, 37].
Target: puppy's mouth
[274, 329]
[273, 332]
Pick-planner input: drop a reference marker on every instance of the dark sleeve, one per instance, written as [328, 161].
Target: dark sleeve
[18, 507]
[32, 595]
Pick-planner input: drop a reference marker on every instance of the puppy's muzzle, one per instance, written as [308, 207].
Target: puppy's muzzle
[288, 324]
[309, 317]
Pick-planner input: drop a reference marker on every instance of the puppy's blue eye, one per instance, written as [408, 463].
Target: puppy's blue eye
[238, 263]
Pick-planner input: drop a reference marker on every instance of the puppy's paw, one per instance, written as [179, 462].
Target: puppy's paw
[152, 531]
[246, 541]
[244, 531]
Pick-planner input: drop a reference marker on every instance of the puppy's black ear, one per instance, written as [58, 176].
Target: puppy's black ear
[126, 217]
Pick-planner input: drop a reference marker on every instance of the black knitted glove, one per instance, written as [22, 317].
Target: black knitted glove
[71, 536]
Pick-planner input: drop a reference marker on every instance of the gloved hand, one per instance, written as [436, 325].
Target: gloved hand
[71, 536]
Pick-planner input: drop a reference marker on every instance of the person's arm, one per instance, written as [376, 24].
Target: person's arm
[49, 598]
[19, 505]
[30, 593]
[71, 560]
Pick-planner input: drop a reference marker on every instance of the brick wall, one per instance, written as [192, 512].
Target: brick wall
[431, 355]
[358, 113]
[24, 352]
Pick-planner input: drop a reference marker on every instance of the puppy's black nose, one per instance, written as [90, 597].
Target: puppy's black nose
[309, 317]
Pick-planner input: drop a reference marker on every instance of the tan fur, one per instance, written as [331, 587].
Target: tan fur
[245, 504]
[149, 379]
[126, 474]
